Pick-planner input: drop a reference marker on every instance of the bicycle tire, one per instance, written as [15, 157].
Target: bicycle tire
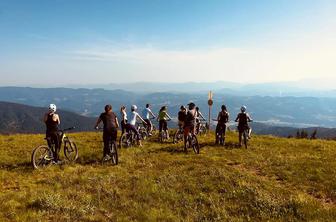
[178, 137]
[45, 157]
[161, 137]
[245, 139]
[124, 141]
[194, 144]
[202, 130]
[113, 155]
[143, 133]
[70, 150]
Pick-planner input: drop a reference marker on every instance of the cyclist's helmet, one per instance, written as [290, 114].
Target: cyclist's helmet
[52, 108]
[108, 108]
[134, 107]
[191, 106]
[223, 107]
[243, 109]
[182, 108]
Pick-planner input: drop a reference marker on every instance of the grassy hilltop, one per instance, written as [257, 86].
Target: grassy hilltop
[275, 180]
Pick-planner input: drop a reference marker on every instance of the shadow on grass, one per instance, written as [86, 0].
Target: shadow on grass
[24, 167]
[170, 149]
[228, 145]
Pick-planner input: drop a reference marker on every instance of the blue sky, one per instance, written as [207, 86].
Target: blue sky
[105, 41]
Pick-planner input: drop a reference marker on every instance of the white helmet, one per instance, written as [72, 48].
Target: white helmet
[134, 107]
[243, 109]
[52, 108]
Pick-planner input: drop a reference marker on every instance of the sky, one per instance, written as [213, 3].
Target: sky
[55, 42]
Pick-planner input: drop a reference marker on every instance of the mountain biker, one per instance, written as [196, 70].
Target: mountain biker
[181, 116]
[162, 118]
[199, 117]
[111, 126]
[131, 126]
[123, 115]
[243, 118]
[223, 119]
[147, 114]
[190, 122]
[52, 121]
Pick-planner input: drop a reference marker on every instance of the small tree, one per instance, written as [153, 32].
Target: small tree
[313, 136]
[298, 136]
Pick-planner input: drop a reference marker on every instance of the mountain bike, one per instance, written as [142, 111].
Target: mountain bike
[112, 155]
[178, 136]
[220, 134]
[142, 129]
[153, 131]
[128, 139]
[202, 128]
[192, 142]
[245, 137]
[164, 135]
[42, 156]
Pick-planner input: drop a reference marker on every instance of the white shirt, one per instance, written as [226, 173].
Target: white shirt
[133, 118]
[147, 112]
[123, 115]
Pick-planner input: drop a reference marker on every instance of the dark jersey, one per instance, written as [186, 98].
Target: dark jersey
[243, 119]
[182, 116]
[109, 121]
[223, 117]
[52, 126]
[190, 119]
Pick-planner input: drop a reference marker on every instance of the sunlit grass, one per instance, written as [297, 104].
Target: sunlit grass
[275, 179]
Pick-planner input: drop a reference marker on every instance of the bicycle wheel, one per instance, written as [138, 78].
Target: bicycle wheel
[194, 144]
[161, 137]
[202, 130]
[42, 157]
[143, 133]
[245, 138]
[70, 150]
[125, 141]
[178, 136]
[113, 155]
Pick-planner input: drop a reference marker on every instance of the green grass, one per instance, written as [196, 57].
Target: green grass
[274, 180]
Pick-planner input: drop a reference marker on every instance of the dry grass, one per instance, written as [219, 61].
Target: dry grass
[275, 180]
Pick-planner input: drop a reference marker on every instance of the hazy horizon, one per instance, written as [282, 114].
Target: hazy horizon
[102, 42]
[303, 84]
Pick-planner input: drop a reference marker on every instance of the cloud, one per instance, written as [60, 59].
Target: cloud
[298, 60]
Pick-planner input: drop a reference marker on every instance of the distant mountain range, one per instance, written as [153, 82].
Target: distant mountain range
[289, 111]
[310, 88]
[264, 129]
[18, 118]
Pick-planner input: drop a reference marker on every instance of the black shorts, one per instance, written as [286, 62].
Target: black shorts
[241, 128]
[163, 125]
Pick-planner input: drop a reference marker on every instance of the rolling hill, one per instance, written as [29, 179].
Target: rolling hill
[18, 118]
[287, 111]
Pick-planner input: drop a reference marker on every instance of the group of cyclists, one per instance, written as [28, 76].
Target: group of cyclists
[189, 119]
